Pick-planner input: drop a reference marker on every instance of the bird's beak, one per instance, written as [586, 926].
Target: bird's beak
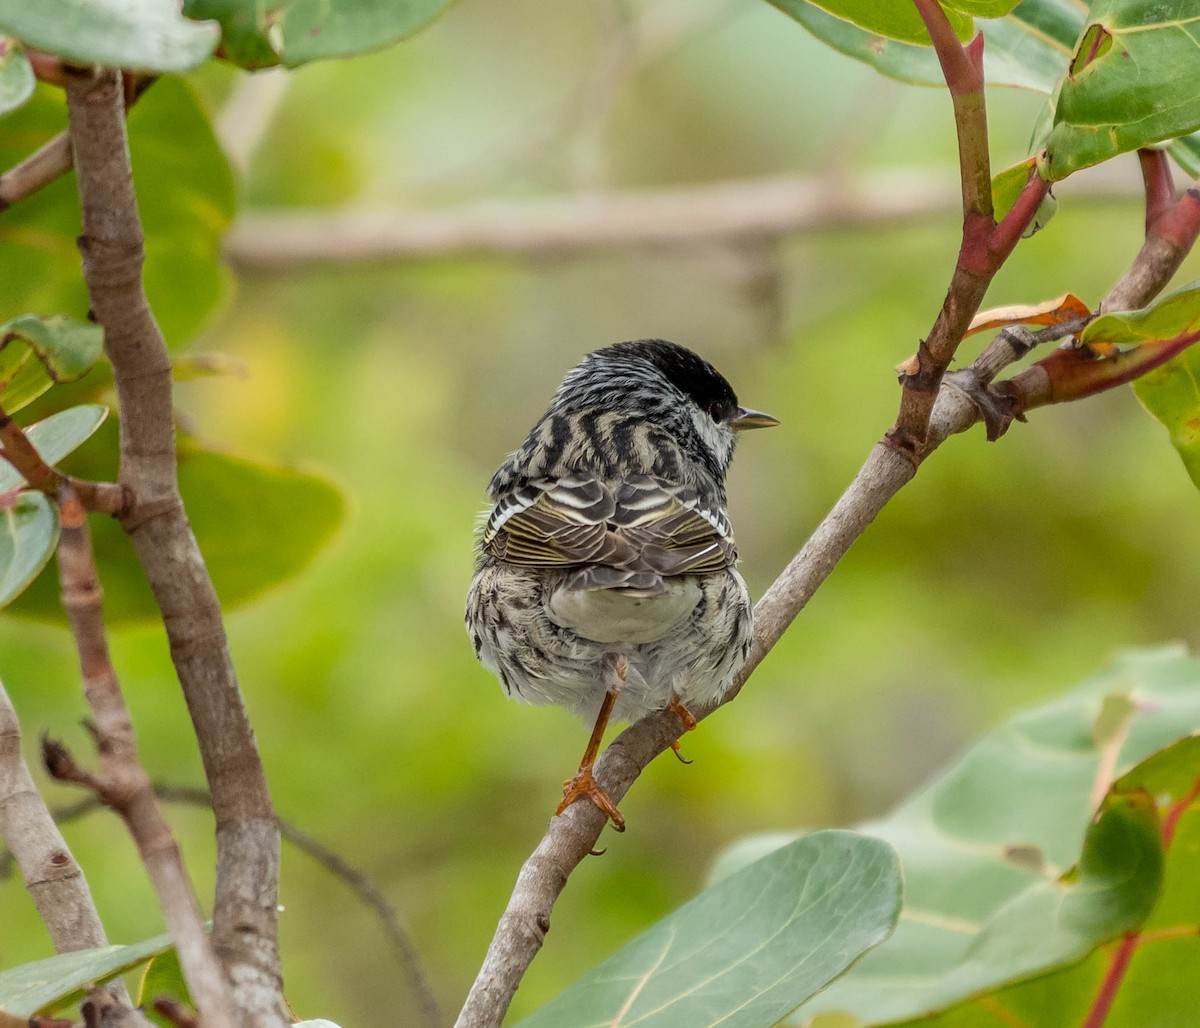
[752, 419]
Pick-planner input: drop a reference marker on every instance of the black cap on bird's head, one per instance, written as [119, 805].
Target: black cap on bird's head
[622, 374]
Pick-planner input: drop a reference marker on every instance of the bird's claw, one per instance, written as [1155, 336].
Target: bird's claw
[584, 784]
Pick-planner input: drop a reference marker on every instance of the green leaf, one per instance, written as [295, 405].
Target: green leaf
[1006, 875]
[28, 535]
[186, 197]
[55, 437]
[1186, 152]
[1172, 315]
[749, 949]
[66, 349]
[893, 19]
[139, 35]
[16, 76]
[255, 35]
[162, 977]
[53, 983]
[1028, 49]
[1007, 187]
[1170, 937]
[981, 8]
[1171, 392]
[1133, 81]
[258, 525]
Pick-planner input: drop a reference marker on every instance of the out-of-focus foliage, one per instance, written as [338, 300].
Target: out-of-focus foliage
[1001, 572]
[297, 31]
[153, 36]
[16, 75]
[140, 35]
[28, 520]
[45, 986]
[1021, 860]
[186, 198]
[258, 524]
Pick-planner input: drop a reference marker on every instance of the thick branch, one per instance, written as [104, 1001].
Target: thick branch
[572, 836]
[244, 909]
[122, 782]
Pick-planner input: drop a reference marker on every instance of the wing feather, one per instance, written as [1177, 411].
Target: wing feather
[626, 536]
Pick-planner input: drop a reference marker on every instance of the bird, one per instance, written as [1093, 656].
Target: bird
[606, 578]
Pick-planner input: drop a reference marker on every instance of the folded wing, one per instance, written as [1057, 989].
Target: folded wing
[628, 536]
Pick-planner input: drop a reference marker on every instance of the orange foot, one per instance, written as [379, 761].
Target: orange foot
[685, 715]
[584, 784]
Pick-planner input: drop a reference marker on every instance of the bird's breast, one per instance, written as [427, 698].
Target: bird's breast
[625, 615]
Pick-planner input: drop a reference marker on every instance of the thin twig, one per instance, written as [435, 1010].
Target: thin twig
[358, 882]
[15, 447]
[245, 916]
[572, 835]
[121, 781]
[53, 159]
[45, 165]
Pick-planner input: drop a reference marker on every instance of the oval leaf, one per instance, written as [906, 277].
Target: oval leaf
[257, 524]
[1133, 81]
[749, 949]
[16, 76]
[186, 197]
[1172, 315]
[1171, 392]
[1028, 49]
[28, 535]
[139, 35]
[53, 983]
[256, 35]
[55, 437]
[66, 349]
[1006, 875]
[893, 19]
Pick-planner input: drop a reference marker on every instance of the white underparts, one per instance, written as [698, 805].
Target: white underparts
[623, 616]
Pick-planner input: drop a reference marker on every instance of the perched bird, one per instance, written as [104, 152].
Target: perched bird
[606, 579]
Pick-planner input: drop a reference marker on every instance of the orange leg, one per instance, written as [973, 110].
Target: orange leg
[584, 783]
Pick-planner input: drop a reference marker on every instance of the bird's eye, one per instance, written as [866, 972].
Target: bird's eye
[716, 410]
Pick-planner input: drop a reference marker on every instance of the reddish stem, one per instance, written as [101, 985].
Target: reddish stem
[1176, 811]
[1112, 980]
[1123, 954]
[1159, 186]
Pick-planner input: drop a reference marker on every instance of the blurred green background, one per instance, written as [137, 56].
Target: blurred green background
[1003, 573]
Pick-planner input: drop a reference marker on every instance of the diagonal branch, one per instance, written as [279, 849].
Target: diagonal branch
[572, 836]
[245, 930]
